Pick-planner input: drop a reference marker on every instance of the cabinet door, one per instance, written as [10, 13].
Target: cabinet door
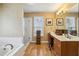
[69, 48]
[57, 47]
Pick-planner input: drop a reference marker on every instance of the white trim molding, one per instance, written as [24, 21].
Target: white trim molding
[41, 41]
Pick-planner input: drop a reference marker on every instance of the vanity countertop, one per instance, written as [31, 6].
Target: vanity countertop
[63, 38]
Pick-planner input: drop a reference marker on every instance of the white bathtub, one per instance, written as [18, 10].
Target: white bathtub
[9, 52]
[17, 46]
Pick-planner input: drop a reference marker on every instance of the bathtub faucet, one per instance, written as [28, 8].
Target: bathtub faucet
[8, 45]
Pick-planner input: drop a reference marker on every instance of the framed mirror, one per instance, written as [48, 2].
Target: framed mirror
[71, 25]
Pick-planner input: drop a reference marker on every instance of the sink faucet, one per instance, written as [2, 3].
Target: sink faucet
[68, 36]
[9, 45]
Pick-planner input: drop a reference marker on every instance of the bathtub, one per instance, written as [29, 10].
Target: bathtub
[10, 52]
[17, 43]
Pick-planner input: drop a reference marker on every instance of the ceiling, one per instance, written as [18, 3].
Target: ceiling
[75, 8]
[42, 7]
[47, 7]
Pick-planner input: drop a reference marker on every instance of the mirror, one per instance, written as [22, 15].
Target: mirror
[70, 23]
[71, 20]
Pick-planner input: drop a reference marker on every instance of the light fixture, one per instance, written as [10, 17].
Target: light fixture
[65, 8]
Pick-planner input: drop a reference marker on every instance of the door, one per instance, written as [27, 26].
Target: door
[28, 29]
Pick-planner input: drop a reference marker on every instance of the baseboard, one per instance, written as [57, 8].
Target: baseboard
[33, 41]
[41, 41]
[44, 41]
[26, 45]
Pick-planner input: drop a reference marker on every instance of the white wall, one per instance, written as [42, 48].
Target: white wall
[11, 20]
[0, 11]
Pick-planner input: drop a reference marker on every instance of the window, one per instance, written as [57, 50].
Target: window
[70, 23]
[38, 24]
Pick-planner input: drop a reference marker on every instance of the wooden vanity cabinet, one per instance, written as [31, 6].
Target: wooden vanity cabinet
[65, 48]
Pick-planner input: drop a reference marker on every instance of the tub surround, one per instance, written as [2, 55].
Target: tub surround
[11, 40]
[19, 51]
[18, 46]
[63, 46]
